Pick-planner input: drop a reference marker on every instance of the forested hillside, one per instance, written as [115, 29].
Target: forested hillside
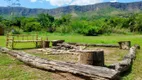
[90, 20]
[21, 11]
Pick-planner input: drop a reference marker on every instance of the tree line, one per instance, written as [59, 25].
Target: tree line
[68, 24]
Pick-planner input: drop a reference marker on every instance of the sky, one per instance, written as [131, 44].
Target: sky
[50, 4]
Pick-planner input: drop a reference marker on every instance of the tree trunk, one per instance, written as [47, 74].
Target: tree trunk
[95, 58]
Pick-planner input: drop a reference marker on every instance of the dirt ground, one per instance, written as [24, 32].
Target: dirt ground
[112, 55]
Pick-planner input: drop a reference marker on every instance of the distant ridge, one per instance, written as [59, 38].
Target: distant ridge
[130, 7]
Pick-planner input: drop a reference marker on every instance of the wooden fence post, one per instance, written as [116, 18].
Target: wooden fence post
[12, 42]
[46, 43]
[7, 40]
[36, 40]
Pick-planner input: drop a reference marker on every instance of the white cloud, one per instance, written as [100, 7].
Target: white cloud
[33, 0]
[85, 2]
[59, 2]
[113, 0]
[69, 2]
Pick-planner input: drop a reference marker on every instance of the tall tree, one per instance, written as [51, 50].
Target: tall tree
[46, 21]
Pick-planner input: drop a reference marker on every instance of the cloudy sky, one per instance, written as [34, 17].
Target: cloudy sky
[49, 4]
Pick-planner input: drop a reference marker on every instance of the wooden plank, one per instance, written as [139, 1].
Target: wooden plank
[60, 66]
[24, 41]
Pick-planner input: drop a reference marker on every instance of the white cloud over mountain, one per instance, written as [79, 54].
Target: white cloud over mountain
[85, 2]
[60, 2]
[69, 2]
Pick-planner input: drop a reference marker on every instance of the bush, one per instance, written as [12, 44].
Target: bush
[64, 29]
[32, 26]
[16, 30]
[92, 31]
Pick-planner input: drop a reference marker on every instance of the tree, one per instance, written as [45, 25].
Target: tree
[66, 19]
[30, 24]
[46, 21]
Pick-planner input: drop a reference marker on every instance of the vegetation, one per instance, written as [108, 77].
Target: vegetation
[20, 72]
[103, 18]
[13, 69]
[110, 19]
[69, 24]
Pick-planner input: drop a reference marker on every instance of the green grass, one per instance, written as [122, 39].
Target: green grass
[12, 69]
[136, 72]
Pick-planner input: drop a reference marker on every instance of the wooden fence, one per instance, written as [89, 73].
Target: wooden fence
[24, 38]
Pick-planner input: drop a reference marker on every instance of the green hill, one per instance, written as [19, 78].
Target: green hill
[100, 9]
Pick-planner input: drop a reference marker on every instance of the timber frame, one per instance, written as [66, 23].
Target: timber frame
[12, 39]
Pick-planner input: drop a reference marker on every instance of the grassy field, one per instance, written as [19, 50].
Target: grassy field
[17, 72]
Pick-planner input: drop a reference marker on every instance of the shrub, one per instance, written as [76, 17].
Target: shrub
[64, 29]
[32, 26]
[16, 30]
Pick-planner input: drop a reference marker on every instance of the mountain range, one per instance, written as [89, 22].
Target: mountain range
[96, 9]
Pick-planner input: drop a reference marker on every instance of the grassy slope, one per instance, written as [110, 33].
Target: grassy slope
[136, 39]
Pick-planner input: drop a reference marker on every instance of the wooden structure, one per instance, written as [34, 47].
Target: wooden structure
[127, 61]
[111, 72]
[55, 42]
[94, 45]
[91, 72]
[46, 43]
[124, 44]
[95, 57]
[1, 31]
[11, 40]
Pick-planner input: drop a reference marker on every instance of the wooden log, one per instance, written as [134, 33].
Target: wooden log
[46, 44]
[94, 45]
[55, 42]
[67, 46]
[127, 61]
[137, 46]
[80, 69]
[95, 58]
[1, 31]
[124, 44]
